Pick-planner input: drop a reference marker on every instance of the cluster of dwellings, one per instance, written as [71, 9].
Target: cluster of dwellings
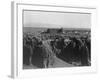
[54, 30]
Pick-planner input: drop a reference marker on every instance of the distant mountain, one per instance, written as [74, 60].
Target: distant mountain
[38, 27]
[33, 29]
[51, 26]
[42, 25]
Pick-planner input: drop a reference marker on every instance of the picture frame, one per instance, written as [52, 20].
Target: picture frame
[17, 41]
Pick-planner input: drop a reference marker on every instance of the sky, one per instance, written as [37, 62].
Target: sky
[56, 19]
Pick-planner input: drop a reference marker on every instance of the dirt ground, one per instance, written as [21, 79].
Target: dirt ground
[57, 63]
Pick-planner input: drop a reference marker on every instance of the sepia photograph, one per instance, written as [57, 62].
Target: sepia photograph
[56, 39]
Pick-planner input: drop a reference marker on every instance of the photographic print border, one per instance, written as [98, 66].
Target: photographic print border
[17, 28]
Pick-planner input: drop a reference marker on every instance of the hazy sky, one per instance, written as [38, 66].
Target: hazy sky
[70, 20]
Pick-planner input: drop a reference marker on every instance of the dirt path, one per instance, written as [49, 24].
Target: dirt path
[58, 63]
[61, 63]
